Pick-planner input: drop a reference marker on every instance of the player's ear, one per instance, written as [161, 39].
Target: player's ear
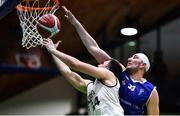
[143, 65]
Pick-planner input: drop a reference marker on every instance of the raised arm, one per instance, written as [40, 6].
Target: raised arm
[96, 72]
[91, 45]
[75, 79]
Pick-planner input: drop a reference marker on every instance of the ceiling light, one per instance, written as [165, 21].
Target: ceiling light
[129, 31]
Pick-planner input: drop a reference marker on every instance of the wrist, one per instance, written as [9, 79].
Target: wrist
[53, 51]
[75, 23]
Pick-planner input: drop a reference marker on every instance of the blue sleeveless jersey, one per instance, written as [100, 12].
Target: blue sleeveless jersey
[133, 95]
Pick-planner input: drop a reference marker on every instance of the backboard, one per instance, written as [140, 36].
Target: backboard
[6, 6]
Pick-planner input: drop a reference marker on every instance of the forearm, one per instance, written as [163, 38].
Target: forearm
[87, 40]
[77, 65]
[73, 78]
[84, 35]
[91, 45]
[61, 66]
[68, 60]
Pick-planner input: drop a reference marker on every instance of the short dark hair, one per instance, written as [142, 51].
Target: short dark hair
[115, 67]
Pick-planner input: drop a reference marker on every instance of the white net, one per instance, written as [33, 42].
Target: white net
[29, 11]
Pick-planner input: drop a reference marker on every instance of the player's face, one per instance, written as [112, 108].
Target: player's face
[134, 62]
[105, 64]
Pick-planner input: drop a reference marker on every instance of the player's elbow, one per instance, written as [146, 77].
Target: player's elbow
[93, 49]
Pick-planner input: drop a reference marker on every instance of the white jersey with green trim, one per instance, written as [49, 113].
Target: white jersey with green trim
[103, 99]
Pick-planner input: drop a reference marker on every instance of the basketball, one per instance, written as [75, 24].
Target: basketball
[48, 25]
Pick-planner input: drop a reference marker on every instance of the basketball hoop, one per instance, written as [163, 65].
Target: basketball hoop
[29, 11]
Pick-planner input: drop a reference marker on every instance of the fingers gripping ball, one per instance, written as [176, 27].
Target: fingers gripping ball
[48, 25]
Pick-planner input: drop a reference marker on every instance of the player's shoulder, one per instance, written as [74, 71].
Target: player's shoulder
[88, 82]
[149, 84]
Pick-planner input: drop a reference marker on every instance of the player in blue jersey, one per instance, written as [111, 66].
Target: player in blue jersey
[135, 92]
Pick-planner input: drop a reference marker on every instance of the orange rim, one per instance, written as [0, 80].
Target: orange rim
[20, 7]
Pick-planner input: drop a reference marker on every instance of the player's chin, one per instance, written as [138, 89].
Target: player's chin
[129, 68]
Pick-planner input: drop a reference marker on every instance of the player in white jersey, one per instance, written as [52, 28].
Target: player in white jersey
[103, 99]
[102, 95]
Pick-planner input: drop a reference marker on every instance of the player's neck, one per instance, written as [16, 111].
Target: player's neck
[137, 76]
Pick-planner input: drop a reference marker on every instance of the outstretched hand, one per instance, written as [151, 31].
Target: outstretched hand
[69, 15]
[50, 46]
